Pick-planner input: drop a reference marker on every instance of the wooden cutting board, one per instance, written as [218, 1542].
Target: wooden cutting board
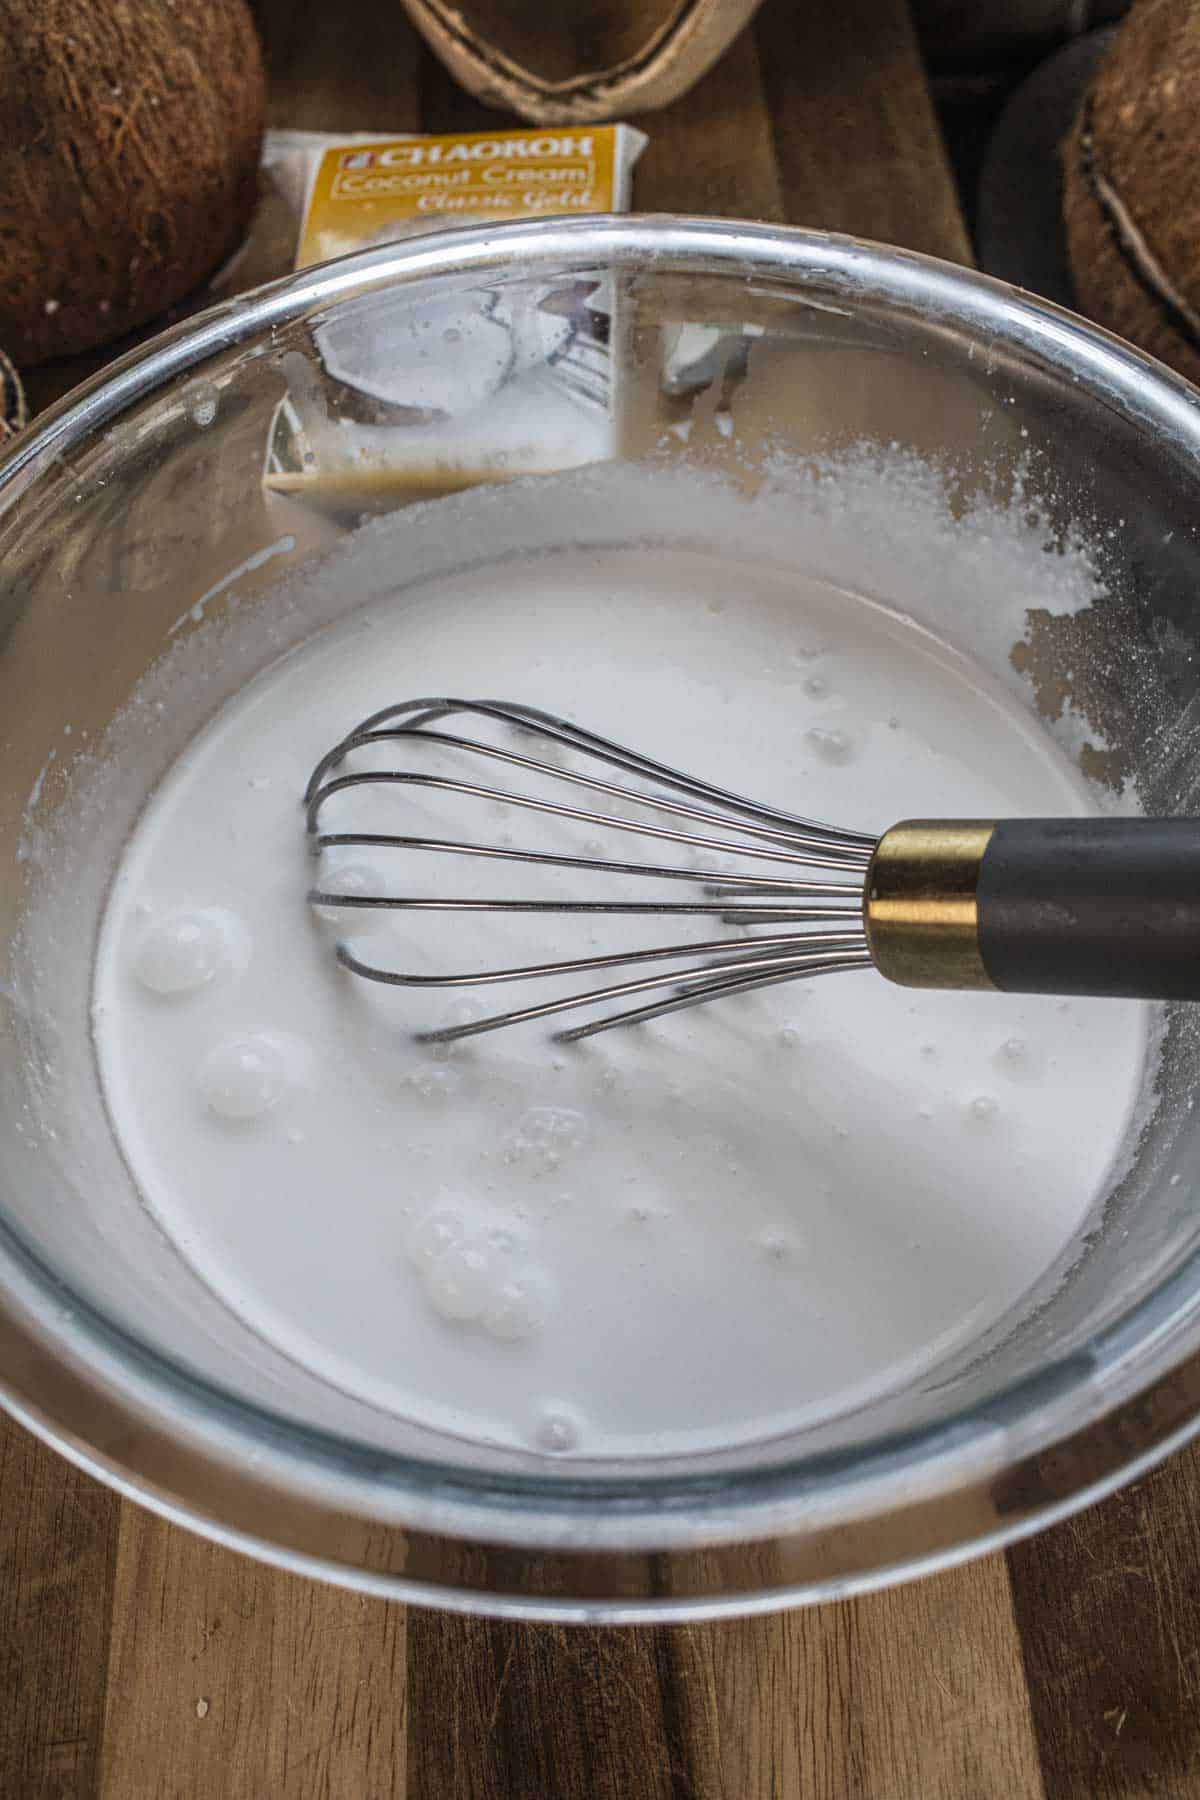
[136, 1660]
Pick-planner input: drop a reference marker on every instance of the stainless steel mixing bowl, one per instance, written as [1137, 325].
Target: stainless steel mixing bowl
[177, 488]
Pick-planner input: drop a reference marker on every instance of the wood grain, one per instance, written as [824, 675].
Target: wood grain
[340, 67]
[918, 1693]
[1106, 1606]
[857, 139]
[540, 1711]
[914, 1692]
[228, 1680]
[58, 1536]
[713, 151]
[137, 1661]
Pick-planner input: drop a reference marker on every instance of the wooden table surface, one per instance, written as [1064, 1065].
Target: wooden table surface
[137, 1660]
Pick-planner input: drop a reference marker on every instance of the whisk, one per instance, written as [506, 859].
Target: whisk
[1101, 906]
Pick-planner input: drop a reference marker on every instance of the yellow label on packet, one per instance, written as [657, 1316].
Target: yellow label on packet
[377, 192]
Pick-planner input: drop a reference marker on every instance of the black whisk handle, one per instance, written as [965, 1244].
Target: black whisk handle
[1102, 906]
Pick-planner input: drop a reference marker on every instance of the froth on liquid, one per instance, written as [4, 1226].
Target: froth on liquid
[716, 1228]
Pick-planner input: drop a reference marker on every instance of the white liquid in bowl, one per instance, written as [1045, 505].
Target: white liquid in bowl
[706, 1231]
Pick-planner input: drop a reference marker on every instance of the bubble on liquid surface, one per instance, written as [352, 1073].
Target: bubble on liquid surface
[831, 745]
[460, 1282]
[245, 1078]
[202, 399]
[779, 1246]
[437, 1232]
[515, 1311]
[480, 1273]
[982, 1109]
[545, 1136]
[816, 687]
[790, 1037]
[557, 1429]
[1017, 1059]
[184, 951]
[355, 880]
[438, 1084]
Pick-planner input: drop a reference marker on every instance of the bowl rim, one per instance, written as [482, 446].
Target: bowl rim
[558, 1544]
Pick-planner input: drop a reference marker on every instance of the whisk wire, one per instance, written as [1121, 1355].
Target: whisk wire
[805, 850]
[716, 990]
[742, 973]
[749, 831]
[420, 713]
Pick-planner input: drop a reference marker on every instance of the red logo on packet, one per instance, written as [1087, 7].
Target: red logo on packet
[356, 159]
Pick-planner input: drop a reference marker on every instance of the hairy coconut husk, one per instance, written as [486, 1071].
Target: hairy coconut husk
[129, 144]
[14, 414]
[1131, 197]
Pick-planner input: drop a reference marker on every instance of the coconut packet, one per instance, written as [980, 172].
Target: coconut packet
[424, 393]
[376, 191]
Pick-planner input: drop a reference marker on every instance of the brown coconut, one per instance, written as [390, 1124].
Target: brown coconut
[14, 414]
[1131, 193]
[129, 144]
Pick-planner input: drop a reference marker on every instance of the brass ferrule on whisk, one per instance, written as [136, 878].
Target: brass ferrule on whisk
[920, 905]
